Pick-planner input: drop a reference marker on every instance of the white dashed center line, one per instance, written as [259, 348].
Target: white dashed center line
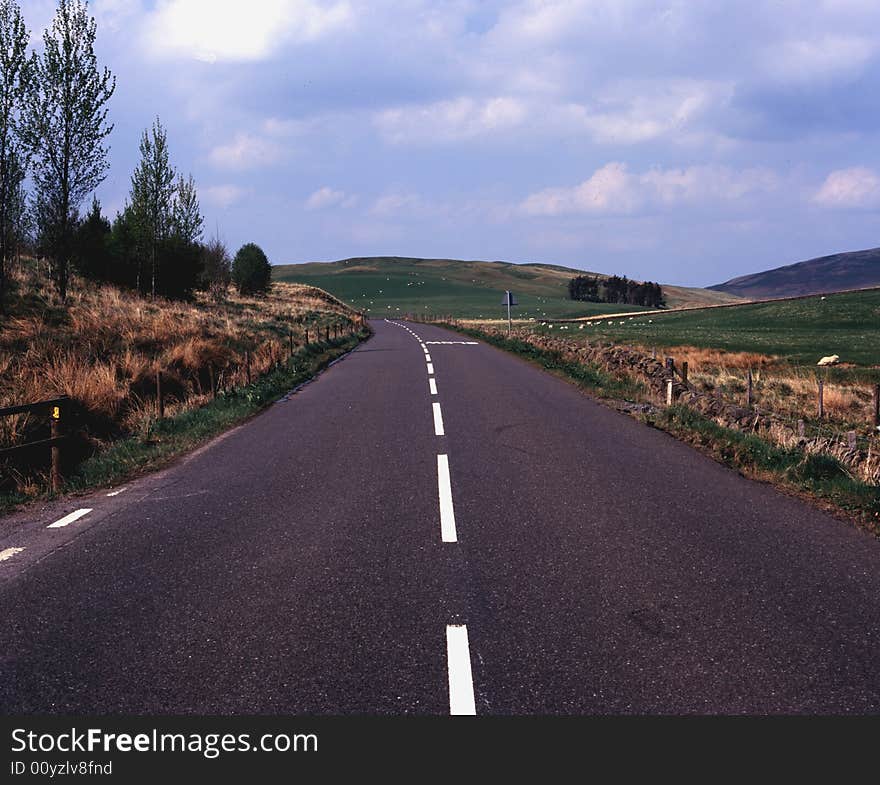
[438, 420]
[9, 553]
[427, 357]
[447, 513]
[430, 369]
[432, 383]
[68, 519]
[461, 679]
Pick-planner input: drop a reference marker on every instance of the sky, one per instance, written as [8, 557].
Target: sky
[686, 142]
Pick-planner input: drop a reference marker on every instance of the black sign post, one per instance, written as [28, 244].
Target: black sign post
[509, 300]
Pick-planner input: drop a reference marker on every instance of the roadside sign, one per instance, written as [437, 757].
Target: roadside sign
[509, 299]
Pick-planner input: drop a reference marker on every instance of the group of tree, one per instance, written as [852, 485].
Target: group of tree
[616, 289]
[53, 127]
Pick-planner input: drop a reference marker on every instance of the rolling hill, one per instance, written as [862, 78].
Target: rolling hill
[396, 285]
[835, 273]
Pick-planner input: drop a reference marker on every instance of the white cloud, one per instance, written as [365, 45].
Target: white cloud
[246, 151]
[404, 205]
[823, 58]
[222, 196]
[328, 197]
[613, 189]
[231, 30]
[857, 187]
[448, 121]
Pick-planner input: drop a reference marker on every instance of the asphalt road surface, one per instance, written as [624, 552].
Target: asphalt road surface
[434, 526]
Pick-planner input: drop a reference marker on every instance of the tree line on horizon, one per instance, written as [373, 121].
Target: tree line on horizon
[53, 131]
[616, 289]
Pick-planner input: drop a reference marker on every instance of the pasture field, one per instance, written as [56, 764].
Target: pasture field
[392, 286]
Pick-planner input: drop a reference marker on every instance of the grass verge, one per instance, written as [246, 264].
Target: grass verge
[818, 478]
[160, 441]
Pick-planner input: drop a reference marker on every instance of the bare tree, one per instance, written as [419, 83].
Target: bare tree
[13, 82]
[65, 127]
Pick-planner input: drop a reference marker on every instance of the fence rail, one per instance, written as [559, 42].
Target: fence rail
[55, 409]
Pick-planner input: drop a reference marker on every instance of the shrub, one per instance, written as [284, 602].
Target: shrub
[251, 271]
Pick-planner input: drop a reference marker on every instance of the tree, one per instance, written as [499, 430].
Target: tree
[187, 216]
[216, 268]
[251, 271]
[65, 125]
[13, 83]
[152, 195]
[91, 252]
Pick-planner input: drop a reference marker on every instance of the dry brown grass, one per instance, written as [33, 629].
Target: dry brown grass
[104, 347]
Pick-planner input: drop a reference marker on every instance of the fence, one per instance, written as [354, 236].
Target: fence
[56, 410]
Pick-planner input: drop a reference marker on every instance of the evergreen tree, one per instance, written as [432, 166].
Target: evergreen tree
[251, 271]
[187, 215]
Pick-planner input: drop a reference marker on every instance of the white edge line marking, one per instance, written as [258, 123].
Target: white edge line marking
[9, 553]
[430, 369]
[461, 678]
[68, 519]
[433, 384]
[116, 493]
[438, 420]
[447, 513]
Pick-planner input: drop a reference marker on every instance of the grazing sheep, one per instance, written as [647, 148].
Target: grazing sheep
[832, 359]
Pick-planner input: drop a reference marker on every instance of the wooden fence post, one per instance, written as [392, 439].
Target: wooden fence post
[327, 334]
[247, 365]
[684, 372]
[55, 433]
[211, 379]
[160, 397]
[821, 399]
[876, 405]
[801, 429]
[670, 365]
[290, 344]
[669, 384]
[851, 440]
[307, 336]
[750, 396]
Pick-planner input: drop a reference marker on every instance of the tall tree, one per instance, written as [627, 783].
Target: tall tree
[13, 82]
[188, 219]
[152, 197]
[65, 126]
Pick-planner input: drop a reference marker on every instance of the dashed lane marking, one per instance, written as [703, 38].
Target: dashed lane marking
[432, 383]
[9, 553]
[68, 519]
[447, 512]
[430, 369]
[461, 678]
[438, 420]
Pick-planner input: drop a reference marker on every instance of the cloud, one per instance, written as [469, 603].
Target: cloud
[613, 189]
[222, 196]
[817, 59]
[246, 151]
[229, 30]
[449, 121]
[857, 187]
[327, 197]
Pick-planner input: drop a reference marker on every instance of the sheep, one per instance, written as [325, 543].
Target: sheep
[832, 359]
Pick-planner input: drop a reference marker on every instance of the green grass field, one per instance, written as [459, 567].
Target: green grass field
[391, 286]
[801, 330]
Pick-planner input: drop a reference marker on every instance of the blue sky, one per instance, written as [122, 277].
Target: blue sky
[686, 142]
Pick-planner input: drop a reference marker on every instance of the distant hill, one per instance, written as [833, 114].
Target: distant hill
[396, 285]
[836, 273]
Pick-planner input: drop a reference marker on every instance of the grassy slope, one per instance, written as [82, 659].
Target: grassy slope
[392, 285]
[801, 330]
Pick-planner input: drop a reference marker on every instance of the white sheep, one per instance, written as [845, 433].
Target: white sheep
[831, 359]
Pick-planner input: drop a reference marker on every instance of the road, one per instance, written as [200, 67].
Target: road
[433, 527]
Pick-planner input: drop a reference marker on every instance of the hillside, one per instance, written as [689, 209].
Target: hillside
[835, 273]
[799, 330]
[396, 285]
